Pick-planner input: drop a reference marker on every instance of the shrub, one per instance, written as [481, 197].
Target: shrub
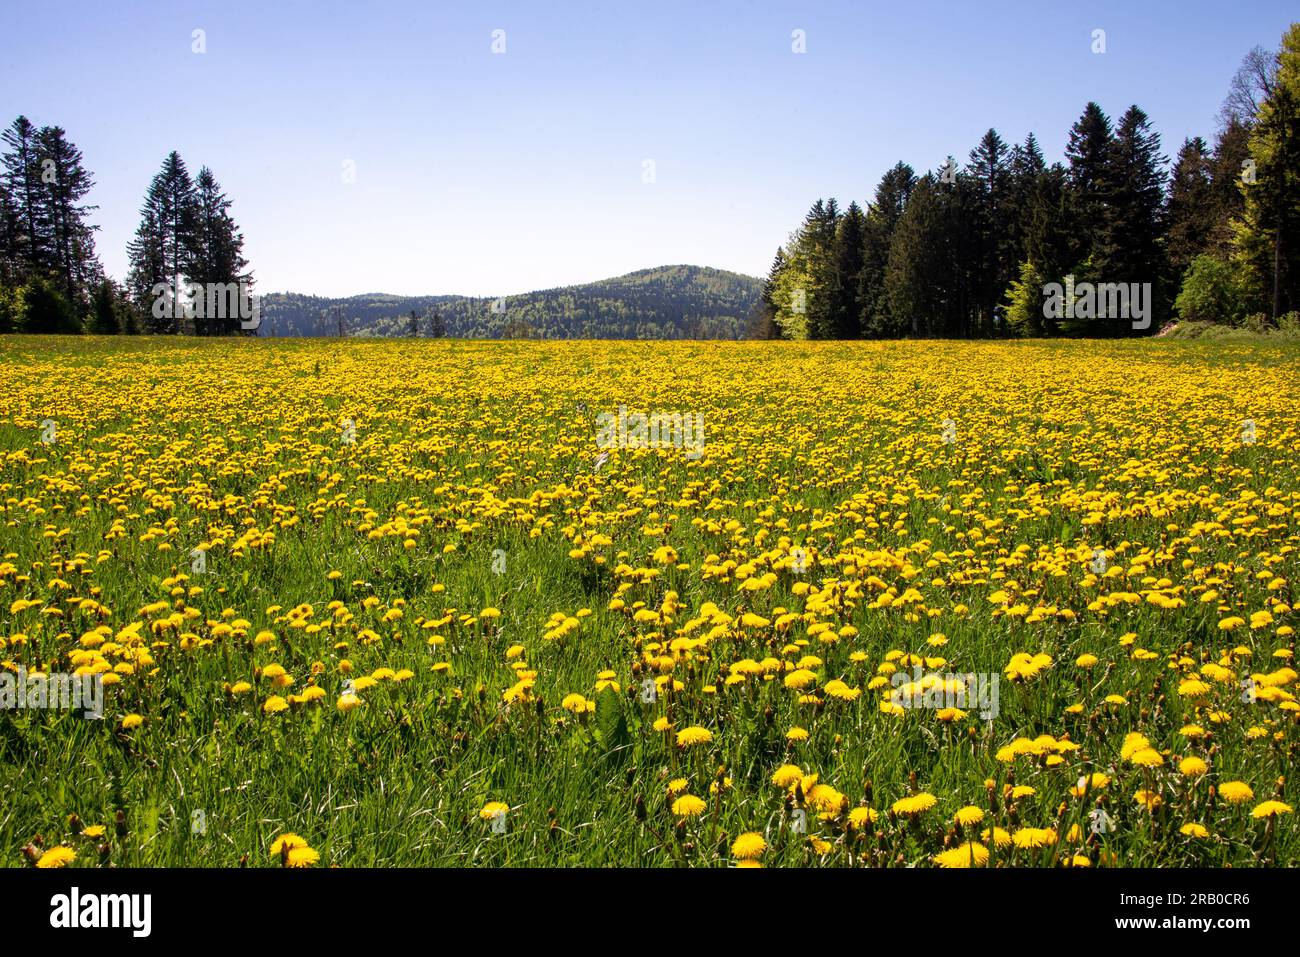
[1211, 292]
[46, 309]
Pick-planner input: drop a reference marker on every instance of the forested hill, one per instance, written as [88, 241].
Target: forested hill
[670, 302]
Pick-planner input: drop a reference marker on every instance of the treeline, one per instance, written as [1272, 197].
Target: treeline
[1006, 243]
[669, 302]
[51, 279]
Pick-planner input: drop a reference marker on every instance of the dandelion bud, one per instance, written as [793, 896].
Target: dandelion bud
[638, 808]
[74, 823]
[119, 823]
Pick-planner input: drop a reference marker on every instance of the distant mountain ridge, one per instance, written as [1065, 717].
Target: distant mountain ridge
[667, 302]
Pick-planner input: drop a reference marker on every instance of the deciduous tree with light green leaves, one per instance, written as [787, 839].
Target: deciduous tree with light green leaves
[1024, 303]
[1267, 238]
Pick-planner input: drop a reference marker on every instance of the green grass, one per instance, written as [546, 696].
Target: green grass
[1062, 446]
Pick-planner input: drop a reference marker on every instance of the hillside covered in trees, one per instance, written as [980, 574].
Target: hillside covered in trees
[670, 302]
[996, 247]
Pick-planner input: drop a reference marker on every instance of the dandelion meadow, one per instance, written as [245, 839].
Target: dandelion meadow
[920, 603]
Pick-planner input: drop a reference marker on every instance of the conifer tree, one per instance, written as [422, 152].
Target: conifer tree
[1191, 212]
[164, 249]
[216, 253]
[63, 219]
[1135, 222]
[882, 218]
[846, 309]
[29, 244]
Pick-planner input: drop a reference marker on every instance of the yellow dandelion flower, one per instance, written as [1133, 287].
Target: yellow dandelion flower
[688, 805]
[1192, 767]
[914, 804]
[57, 857]
[1236, 792]
[748, 846]
[694, 735]
[968, 854]
[1271, 809]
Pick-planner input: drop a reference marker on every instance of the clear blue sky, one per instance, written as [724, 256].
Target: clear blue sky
[479, 173]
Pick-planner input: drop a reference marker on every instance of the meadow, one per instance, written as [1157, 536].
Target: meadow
[366, 603]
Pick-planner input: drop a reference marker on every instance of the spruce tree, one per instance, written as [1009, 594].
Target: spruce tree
[920, 280]
[1190, 213]
[64, 182]
[107, 313]
[882, 218]
[1089, 154]
[1228, 173]
[9, 266]
[991, 250]
[1135, 222]
[846, 309]
[1050, 229]
[30, 245]
[817, 246]
[1025, 168]
[216, 250]
[765, 325]
[164, 248]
